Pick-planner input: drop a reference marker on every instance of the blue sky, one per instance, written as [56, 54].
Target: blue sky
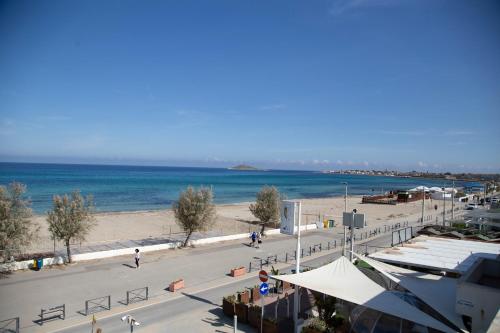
[279, 84]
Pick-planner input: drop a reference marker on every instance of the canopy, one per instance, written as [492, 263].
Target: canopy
[343, 280]
[438, 292]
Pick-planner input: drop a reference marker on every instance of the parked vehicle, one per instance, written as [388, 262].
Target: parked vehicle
[471, 206]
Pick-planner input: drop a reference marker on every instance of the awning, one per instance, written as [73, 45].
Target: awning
[343, 280]
[438, 292]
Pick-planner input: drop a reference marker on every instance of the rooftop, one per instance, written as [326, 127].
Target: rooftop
[443, 254]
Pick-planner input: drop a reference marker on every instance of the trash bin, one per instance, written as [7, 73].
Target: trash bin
[35, 263]
[325, 223]
[39, 263]
[331, 223]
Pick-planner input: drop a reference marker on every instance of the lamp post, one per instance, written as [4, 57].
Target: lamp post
[351, 256]
[444, 206]
[296, 299]
[453, 202]
[345, 228]
[423, 203]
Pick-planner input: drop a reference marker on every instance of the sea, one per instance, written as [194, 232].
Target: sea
[135, 188]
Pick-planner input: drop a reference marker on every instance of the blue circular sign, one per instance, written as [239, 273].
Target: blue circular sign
[264, 288]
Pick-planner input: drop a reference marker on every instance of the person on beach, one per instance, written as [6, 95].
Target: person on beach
[253, 236]
[137, 257]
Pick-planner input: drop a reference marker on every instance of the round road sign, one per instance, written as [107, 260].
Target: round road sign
[263, 276]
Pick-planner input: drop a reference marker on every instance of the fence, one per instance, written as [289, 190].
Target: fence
[56, 312]
[9, 325]
[97, 304]
[137, 295]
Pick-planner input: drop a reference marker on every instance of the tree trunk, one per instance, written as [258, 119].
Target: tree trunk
[187, 239]
[68, 250]
[262, 229]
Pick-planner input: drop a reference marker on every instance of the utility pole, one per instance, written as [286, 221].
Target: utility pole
[345, 227]
[297, 269]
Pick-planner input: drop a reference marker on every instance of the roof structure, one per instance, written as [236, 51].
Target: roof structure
[438, 292]
[443, 254]
[343, 280]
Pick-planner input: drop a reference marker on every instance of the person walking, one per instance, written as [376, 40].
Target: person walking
[253, 236]
[259, 239]
[137, 258]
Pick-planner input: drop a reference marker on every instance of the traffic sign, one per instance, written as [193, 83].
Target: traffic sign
[264, 288]
[263, 276]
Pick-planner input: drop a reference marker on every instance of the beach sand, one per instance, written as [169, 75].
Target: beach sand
[232, 219]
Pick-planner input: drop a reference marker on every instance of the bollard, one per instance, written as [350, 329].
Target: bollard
[310, 250]
[286, 257]
[261, 264]
[235, 323]
[295, 254]
[320, 247]
[250, 267]
[335, 243]
[328, 246]
[302, 253]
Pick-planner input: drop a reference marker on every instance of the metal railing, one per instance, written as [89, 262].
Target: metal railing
[10, 325]
[97, 304]
[56, 312]
[137, 295]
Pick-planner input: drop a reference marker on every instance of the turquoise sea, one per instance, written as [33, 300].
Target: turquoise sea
[132, 188]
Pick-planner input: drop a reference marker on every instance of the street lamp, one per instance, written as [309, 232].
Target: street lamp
[345, 227]
[130, 321]
[351, 256]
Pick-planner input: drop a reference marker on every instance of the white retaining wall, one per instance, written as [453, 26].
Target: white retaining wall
[130, 251]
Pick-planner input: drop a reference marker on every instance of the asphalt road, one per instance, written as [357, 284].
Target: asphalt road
[198, 312]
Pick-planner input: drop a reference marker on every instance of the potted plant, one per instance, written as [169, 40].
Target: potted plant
[241, 311]
[316, 325]
[228, 304]
[244, 297]
[239, 271]
[255, 294]
[254, 312]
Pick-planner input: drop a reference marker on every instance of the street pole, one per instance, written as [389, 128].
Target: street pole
[453, 202]
[235, 323]
[444, 206]
[261, 312]
[351, 256]
[297, 269]
[345, 227]
[423, 204]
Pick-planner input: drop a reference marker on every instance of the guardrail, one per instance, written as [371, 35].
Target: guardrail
[97, 304]
[10, 325]
[56, 312]
[137, 295]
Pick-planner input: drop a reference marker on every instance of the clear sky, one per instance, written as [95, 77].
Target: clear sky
[280, 84]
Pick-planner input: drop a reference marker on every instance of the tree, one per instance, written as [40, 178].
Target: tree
[17, 229]
[194, 211]
[71, 218]
[267, 206]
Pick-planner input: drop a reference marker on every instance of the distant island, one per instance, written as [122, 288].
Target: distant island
[243, 167]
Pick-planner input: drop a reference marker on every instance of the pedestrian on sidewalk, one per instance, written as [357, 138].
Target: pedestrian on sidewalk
[253, 236]
[137, 258]
[259, 239]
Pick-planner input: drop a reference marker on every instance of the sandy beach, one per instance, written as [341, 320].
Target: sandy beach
[231, 219]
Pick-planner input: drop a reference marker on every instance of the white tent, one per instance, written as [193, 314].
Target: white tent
[419, 189]
[438, 292]
[343, 280]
